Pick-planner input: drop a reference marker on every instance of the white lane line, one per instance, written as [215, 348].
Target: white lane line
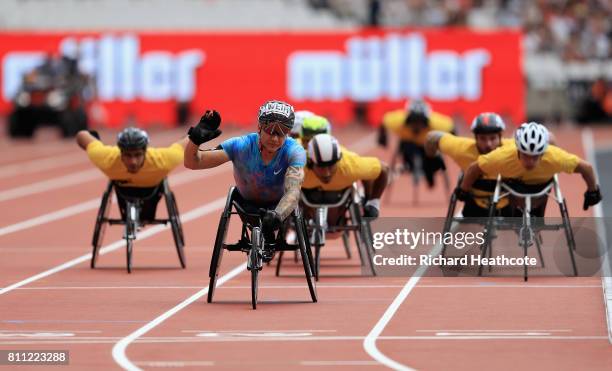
[120, 347]
[338, 363]
[255, 331]
[51, 331]
[50, 184]
[175, 180]
[588, 143]
[191, 340]
[496, 334]
[369, 342]
[191, 215]
[52, 216]
[43, 164]
[166, 364]
[504, 330]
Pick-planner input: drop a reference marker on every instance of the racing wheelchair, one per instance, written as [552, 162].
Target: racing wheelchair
[252, 242]
[351, 220]
[528, 230]
[131, 219]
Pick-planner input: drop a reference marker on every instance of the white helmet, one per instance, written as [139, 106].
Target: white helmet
[299, 120]
[531, 138]
[324, 150]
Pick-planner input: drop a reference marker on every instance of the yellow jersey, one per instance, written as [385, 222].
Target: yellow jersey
[505, 161]
[158, 163]
[395, 122]
[464, 152]
[350, 168]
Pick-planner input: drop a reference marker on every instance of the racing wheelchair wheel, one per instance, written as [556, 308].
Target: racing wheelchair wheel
[100, 226]
[217, 254]
[177, 228]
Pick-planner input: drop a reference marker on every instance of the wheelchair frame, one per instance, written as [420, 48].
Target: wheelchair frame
[528, 233]
[349, 201]
[251, 242]
[131, 222]
[450, 213]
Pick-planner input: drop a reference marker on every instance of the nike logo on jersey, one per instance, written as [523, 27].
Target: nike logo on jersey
[276, 172]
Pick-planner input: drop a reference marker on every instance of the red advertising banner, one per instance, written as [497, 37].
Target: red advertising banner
[141, 76]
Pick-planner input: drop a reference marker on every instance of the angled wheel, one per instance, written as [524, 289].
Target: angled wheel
[215, 260]
[450, 213]
[569, 235]
[347, 244]
[217, 255]
[100, 226]
[487, 246]
[177, 228]
[306, 257]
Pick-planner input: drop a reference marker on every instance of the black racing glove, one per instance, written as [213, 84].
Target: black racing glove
[371, 208]
[207, 129]
[433, 164]
[461, 194]
[382, 136]
[271, 222]
[94, 133]
[591, 198]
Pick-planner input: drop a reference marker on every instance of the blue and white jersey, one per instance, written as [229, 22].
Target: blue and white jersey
[259, 183]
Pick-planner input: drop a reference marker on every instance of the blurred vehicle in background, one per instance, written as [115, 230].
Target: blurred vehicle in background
[53, 94]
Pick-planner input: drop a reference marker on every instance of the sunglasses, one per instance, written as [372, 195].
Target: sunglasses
[275, 129]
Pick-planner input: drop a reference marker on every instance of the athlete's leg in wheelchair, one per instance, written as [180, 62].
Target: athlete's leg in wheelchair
[148, 199]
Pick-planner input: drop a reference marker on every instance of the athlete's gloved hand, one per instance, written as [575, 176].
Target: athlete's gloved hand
[461, 194]
[382, 136]
[207, 129]
[371, 209]
[270, 223]
[94, 134]
[433, 164]
[591, 198]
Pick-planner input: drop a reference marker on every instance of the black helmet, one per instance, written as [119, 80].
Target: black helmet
[132, 138]
[276, 111]
[488, 123]
[418, 111]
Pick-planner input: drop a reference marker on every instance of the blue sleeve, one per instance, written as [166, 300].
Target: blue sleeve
[230, 145]
[297, 156]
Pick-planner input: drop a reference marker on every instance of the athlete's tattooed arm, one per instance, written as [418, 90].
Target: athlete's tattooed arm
[293, 183]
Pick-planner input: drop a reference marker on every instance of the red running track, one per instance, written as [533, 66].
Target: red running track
[108, 319]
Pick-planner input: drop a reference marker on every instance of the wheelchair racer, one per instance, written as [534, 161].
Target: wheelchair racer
[332, 168]
[411, 127]
[312, 126]
[531, 163]
[296, 130]
[135, 167]
[268, 166]
[487, 128]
